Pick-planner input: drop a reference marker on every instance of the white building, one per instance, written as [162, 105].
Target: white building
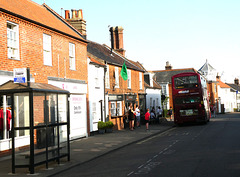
[227, 96]
[96, 93]
[153, 91]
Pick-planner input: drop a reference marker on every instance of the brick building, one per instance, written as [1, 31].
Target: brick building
[119, 93]
[34, 36]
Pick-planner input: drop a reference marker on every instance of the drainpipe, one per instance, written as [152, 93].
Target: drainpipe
[104, 90]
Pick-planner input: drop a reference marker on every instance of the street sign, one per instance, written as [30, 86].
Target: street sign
[20, 75]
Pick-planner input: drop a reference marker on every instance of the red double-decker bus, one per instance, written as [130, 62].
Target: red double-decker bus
[190, 98]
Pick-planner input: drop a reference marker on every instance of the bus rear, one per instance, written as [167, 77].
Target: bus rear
[190, 98]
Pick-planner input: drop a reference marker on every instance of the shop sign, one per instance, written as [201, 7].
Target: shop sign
[131, 97]
[20, 75]
[115, 97]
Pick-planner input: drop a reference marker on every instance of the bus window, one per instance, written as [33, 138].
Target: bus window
[186, 82]
[186, 100]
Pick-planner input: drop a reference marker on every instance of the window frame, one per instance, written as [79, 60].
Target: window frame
[72, 56]
[47, 49]
[116, 77]
[129, 79]
[140, 81]
[107, 81]
[15, 30]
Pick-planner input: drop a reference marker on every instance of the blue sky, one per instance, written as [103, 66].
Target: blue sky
[183, 32]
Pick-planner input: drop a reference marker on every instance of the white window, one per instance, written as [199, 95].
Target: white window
[113, 109]
[164, 89]
[151, 103]
[72, 56]
[94, 112]
[96, 77]
[116, 77]
[47, 50]
[107, 78]
[119, 108]
[140, 81]
[129, 79]
[13, 40]
[116, 108]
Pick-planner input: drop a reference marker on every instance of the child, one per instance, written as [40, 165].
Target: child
[147, 118]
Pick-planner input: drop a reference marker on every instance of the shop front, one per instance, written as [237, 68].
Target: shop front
[77, 104]
[34, 124]
[116, 110]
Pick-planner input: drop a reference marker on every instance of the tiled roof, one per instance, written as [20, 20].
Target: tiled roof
[164, 76]
[222, 85]
[105, 53]
[234, 86]
[38, 14]
[96, 62]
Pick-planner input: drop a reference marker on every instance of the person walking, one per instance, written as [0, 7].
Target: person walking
[170, 113]
[147, 118]
[137, 111]
[131, 116]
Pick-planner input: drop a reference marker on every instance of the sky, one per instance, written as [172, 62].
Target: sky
[184, 32]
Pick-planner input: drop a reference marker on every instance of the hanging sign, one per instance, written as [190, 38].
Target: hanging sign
[20, 75]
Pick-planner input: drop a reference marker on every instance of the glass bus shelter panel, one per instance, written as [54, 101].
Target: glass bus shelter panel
[5, 117]
[63, 138]
[21, 111]
[51, 107]
[38, 108]
[62, 108]
[22, 148]
[52, 143]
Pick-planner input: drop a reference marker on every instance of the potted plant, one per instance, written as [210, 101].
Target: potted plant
[109, 126]
[101, 127]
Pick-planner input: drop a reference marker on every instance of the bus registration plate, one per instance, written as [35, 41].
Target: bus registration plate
[188, 112]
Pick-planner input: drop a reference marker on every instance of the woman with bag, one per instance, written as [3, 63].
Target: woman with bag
[131, 117]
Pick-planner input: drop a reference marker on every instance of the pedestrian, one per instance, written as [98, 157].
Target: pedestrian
[147, 118]
[131, 116]
[170, 113]
[214, 111]
[137, 111]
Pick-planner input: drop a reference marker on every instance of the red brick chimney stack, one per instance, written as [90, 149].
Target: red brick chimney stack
[168, 66]
[117, 39]
[67, 14]
[77, 21]
[236, 81]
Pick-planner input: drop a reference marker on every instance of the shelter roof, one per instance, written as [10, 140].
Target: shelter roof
[11, 87]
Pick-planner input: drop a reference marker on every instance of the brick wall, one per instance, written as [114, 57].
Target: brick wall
[123, 89]
[31, 52]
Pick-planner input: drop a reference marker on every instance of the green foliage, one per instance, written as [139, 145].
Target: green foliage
[101, 125]
[109, 124]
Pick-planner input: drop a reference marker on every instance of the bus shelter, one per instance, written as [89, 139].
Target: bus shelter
[36, 119]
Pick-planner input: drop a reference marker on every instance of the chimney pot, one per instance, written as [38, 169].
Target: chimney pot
[73, 13]
[80, 15]
[168, 66]
[236, 81]
[67, 14]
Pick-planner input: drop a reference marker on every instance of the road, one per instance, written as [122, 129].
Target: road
[187, 151]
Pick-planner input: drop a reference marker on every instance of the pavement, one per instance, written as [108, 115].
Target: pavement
[87, 149]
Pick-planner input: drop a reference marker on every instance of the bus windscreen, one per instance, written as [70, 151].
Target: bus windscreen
[187, 100]
[186, 82]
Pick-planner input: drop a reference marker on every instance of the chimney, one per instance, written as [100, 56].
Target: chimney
[218, 77]
[236, 81]
[168, 66]
[117, 39]
[67, 14]
[77, 21]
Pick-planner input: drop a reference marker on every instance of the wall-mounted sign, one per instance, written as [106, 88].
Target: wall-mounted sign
[20, 75]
